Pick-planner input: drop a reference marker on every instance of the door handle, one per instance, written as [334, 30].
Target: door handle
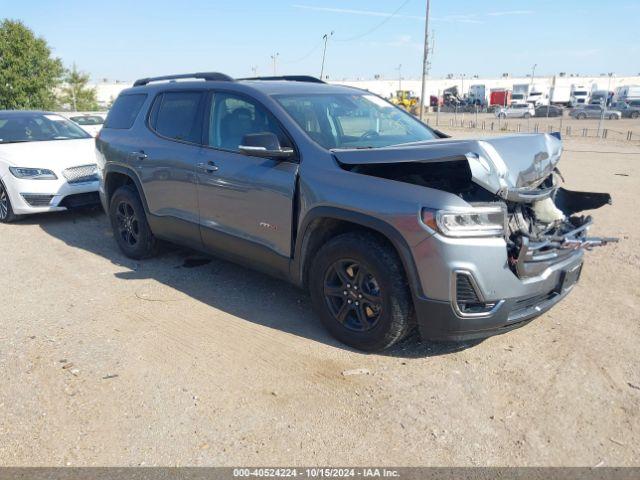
[139, 155]
[208, 167]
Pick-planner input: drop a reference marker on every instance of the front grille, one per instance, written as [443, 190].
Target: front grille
[37, 200]
[529, 302]
[81, 174]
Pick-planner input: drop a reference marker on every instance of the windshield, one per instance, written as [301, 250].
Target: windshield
[38, 127]
[579, 92]
[353, 121]
[517, 96]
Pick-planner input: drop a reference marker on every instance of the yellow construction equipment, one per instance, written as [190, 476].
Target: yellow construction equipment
[406, 99]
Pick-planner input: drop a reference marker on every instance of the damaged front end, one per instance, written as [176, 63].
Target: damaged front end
[544, 231]
[519, 173]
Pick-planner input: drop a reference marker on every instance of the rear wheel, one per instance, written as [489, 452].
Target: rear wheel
[129, 224]
[581, 116]
[527, 115]
[359, 290]
[613, 117]
[6, 211]
[635, 114]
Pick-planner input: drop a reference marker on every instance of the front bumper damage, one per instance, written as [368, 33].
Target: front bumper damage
[477, 287]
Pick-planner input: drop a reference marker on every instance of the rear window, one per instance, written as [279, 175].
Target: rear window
[88, 120]
[178, 116]
[125, 110]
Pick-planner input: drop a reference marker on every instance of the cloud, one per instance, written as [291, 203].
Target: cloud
[369, 13]
[401, 41]
[471, 18]
[509, 12]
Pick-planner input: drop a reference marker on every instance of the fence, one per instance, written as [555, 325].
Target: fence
[532, 125]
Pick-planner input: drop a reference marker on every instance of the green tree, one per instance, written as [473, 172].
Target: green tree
[28, 72]
[75, 93]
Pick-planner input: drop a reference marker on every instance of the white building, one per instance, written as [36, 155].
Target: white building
[108, 91]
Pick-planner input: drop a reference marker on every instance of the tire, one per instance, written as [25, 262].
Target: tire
[527, 115]
[377, 310]
[6, 210]
[581, 116]
[635, 115]
[129, 223]
[613, 117]
[502, 116]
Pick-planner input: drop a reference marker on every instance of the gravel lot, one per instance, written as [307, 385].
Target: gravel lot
[184, 360]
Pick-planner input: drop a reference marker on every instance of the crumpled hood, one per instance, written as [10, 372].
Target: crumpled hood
[55, 155]
[507, 166]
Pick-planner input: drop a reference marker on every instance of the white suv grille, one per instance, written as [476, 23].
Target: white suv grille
[81, 174]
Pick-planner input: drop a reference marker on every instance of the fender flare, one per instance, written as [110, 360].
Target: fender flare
[364, 220]
[129, 172]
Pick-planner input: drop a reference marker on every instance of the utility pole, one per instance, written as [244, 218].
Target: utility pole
[399, 77]
[324, 52]
[425, 60]
[603, 105]
[533, 74]
[274, 57]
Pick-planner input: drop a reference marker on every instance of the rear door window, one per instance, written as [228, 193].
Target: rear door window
[178, 115]
[125, 110]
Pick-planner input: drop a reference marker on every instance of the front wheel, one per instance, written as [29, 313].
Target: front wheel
[129, 223]
[6, 211]
[527, 115]
[613, 117]
[635, 115]
[360, 292]
[581, 116]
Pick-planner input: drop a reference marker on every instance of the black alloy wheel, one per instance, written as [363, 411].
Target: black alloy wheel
[128, 223]
[353, 295]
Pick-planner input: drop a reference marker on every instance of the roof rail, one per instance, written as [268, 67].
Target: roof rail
[293, 78]
[210, 76]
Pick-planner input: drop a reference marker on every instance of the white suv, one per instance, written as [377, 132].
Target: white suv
[517, 111]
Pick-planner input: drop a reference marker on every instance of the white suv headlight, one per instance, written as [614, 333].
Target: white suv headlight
[479, 221]
[33, 173]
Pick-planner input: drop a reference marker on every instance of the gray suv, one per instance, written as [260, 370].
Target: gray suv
[388, 223]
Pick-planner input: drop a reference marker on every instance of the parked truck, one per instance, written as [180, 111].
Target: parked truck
[478, 95]
[627, 93]
[579, 95]
[560, 95]
[499, 97]
[538, 96]
[520, 94]
[601, 97]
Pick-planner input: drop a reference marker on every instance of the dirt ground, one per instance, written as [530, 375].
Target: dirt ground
[183, 360]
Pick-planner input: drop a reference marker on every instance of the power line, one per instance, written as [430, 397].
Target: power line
[375, 27]
[308, 54]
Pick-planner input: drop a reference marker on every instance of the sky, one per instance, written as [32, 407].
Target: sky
[125, 40]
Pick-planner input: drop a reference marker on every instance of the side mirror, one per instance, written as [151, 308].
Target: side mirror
[265, 145]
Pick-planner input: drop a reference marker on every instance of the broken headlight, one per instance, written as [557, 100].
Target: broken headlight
[477, 221]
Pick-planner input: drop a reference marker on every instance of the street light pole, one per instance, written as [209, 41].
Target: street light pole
[533, 74]
[603, 105]
[324, 52]
[274, 58]
[425, 60]
[399, 77]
